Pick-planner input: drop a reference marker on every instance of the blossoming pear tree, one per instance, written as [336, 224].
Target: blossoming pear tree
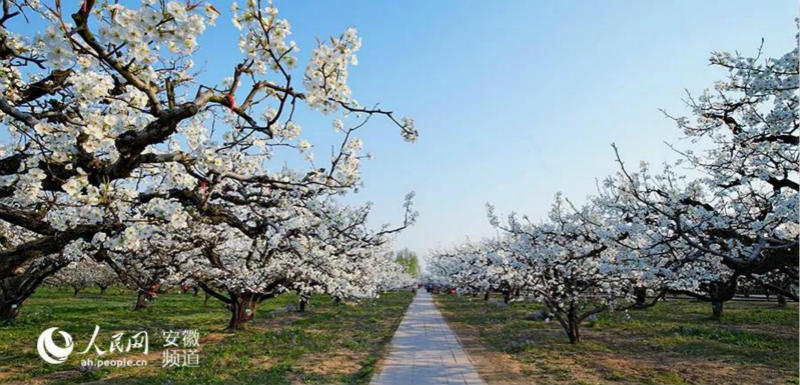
[669, 263]
[464, 267]
[163, 262]
[740, 219]
[571, 263]
[316, 246]
[110, 130]
[81, 273]
[480, 268]
[104, 277]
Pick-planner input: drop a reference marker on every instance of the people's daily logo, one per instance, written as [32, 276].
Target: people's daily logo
[49, 351]
[181, 348]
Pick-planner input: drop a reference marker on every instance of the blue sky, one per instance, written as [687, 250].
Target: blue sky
[514, 100]
[518, 100]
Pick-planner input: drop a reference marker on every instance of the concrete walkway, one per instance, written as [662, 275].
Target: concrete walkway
[425, 351]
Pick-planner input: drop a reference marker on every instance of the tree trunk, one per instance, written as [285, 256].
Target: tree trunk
[243, 309]
[15, 290]
[102, 289]
[75, 291]
[640, 292]
[141, 301]
[8, 311]
[716, 309]
[719, 292]
[573, 328]
[486, 296]
[781, 300]
[303, 303]
[570, 322]
[516, 293]
[506, 296]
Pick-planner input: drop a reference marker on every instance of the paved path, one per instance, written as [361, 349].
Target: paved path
[425, 351]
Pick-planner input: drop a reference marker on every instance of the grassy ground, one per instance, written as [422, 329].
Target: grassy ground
[329, 343]
[672, 343]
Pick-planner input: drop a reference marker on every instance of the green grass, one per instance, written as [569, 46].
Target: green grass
[330, 343]
[671, 343]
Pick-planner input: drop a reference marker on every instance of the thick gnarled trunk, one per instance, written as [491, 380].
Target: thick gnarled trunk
[718, 293]
[9, 309]
[243, 309]
[15, 290]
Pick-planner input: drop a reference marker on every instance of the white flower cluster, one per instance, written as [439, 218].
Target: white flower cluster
[326, 73]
